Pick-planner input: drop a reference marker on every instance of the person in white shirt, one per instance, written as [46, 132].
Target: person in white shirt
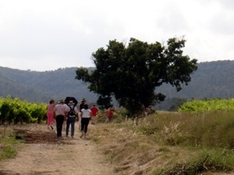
[85, 118]
[60, 113]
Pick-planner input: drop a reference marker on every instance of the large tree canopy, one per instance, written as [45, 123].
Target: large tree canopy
[131, 72]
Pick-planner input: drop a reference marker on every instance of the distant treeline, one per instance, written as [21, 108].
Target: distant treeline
[211, 80]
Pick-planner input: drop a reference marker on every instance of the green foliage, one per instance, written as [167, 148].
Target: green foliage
[104, 102]
[7, 144]
[200, 106]
[131, 73]
[8, 151]
[5, 111]
[13, 110]
[38, 112]
[221, 159]
[206, 160]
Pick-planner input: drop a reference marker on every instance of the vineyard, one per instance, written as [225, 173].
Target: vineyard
[201, 106]
[13, 111]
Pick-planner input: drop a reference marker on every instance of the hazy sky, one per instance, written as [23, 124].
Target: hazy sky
[50, 34]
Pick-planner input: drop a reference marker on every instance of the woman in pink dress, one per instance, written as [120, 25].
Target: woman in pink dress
[50, 114]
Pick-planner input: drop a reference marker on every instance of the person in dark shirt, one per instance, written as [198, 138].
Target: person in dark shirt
[83, 102]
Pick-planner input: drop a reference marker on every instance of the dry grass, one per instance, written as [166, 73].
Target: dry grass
[166, 143]
[134, 153]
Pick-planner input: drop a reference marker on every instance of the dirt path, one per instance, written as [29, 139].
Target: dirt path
[45, 155]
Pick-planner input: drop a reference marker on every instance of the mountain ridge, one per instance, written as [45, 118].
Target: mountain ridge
[211, 80]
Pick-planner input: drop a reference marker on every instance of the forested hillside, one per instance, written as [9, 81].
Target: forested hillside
[42, 86]
[211, 80]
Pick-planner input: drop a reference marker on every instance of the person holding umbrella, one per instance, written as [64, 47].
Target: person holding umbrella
[72, 113]
[67, 101]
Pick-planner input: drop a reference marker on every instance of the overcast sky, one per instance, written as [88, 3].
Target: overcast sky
[50, 34]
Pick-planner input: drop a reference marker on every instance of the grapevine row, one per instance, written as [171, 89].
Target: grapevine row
[199, 106]
[13, 110]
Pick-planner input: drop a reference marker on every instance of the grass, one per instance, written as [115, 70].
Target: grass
[7, 151]
[170, 143]
[8, 144]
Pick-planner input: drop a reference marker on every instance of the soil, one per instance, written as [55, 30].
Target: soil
[44, 154]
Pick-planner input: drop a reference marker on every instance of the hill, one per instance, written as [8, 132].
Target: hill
[42, 86]
[211, 80]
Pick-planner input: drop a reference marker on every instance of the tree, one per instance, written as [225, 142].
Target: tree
[131, 73]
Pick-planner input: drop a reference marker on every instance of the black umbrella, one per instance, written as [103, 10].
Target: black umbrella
[67, 99]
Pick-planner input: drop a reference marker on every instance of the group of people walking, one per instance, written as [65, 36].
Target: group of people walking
[70, 113]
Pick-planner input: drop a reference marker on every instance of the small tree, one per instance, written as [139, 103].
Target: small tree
[5, 111]
[131, 73]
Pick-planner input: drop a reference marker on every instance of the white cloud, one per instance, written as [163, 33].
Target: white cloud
[49, 34]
